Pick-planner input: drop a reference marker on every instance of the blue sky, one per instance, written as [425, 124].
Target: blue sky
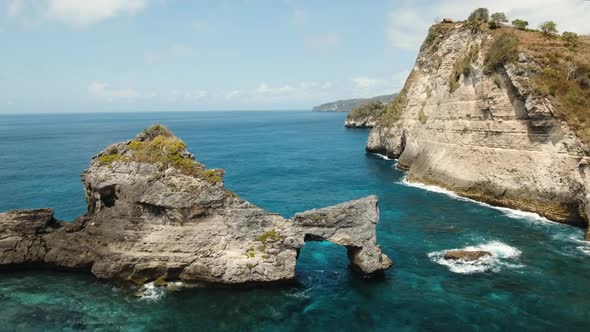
[174, 55]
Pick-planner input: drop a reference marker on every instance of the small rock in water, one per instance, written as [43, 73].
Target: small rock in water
[160, 282]
[466, 255]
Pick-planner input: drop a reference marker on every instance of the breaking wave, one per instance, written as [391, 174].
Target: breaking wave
[503, 255]
[152, 293]
[511, 213]
[384, 157]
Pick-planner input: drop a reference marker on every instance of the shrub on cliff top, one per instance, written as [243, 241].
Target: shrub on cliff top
[520, 24]
[157, 130]
[549, 28]
[497, 19]
[371, 109]
[480, 14]
[165, 149]
[504, 49]
[570, 38]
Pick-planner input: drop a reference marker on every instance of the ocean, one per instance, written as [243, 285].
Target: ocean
[287, 162]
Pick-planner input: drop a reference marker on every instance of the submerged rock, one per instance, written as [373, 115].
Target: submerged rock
[466, 255]
[156, 214]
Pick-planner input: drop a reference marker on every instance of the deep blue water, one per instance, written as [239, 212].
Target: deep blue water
[538, 279]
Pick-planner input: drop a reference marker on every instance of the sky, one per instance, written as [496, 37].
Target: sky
[60, 56]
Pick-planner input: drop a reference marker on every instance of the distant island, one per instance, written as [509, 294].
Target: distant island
[349, 104]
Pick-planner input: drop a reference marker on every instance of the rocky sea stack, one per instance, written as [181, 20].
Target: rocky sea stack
[499, 115]
[155, 213]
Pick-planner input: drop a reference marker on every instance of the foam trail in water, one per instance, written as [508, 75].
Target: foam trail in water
[151, 293]
[384, 157]
[515, 214]
[501, 255]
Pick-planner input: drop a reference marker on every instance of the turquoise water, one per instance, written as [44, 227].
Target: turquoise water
[538, 279]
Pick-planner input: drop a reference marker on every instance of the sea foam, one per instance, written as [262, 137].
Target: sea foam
[503, 255]
[511, 213]
[384, 157]
[151, 293]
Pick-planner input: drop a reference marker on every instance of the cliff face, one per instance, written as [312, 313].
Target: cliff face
[485, 134]
[154, 212]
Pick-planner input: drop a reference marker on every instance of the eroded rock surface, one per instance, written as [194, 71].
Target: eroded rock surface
[484, 136]
[156, 213]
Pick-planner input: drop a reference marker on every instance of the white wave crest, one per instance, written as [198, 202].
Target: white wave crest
[584, 249]
[511, 213]
[503, 255]
[152, 293]
[384, 157]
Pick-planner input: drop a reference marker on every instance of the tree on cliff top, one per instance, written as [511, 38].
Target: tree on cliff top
[520, 24]
[549, 28]
[497, 19]
[480, 14]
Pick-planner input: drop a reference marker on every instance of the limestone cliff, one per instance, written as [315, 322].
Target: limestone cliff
[156, 213]
[472, 118]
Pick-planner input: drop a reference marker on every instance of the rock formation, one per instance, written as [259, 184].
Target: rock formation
[482, 128]
[154, 213]
[349, 104]
[466, 255]
[366, 115]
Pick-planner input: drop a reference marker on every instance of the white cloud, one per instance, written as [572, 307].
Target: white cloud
[89, 12]
[233, 94]
[265, 89]
[151, 58]
[180, 50]
[407, 27]
[14, 7]
[103, 92]
[373, 86]
[299, 17]
[196, 96]
[364, 82]
[322, 41]
[74, 12]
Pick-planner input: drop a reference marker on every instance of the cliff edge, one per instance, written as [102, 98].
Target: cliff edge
[499, 116]
[155, 213]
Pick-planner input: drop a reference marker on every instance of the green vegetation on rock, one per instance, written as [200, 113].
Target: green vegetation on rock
[480, 14]
[496, 20]
[270, 235]
[570, 38]
[520, 24]
[373, 109]
[158, 145]
[548, 28]
[422, 117]
[504, 49]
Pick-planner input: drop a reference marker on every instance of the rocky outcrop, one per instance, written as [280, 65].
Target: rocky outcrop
[466, 255]
[154, 213]
[366, 115]
[486, 136]
[349, 104]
